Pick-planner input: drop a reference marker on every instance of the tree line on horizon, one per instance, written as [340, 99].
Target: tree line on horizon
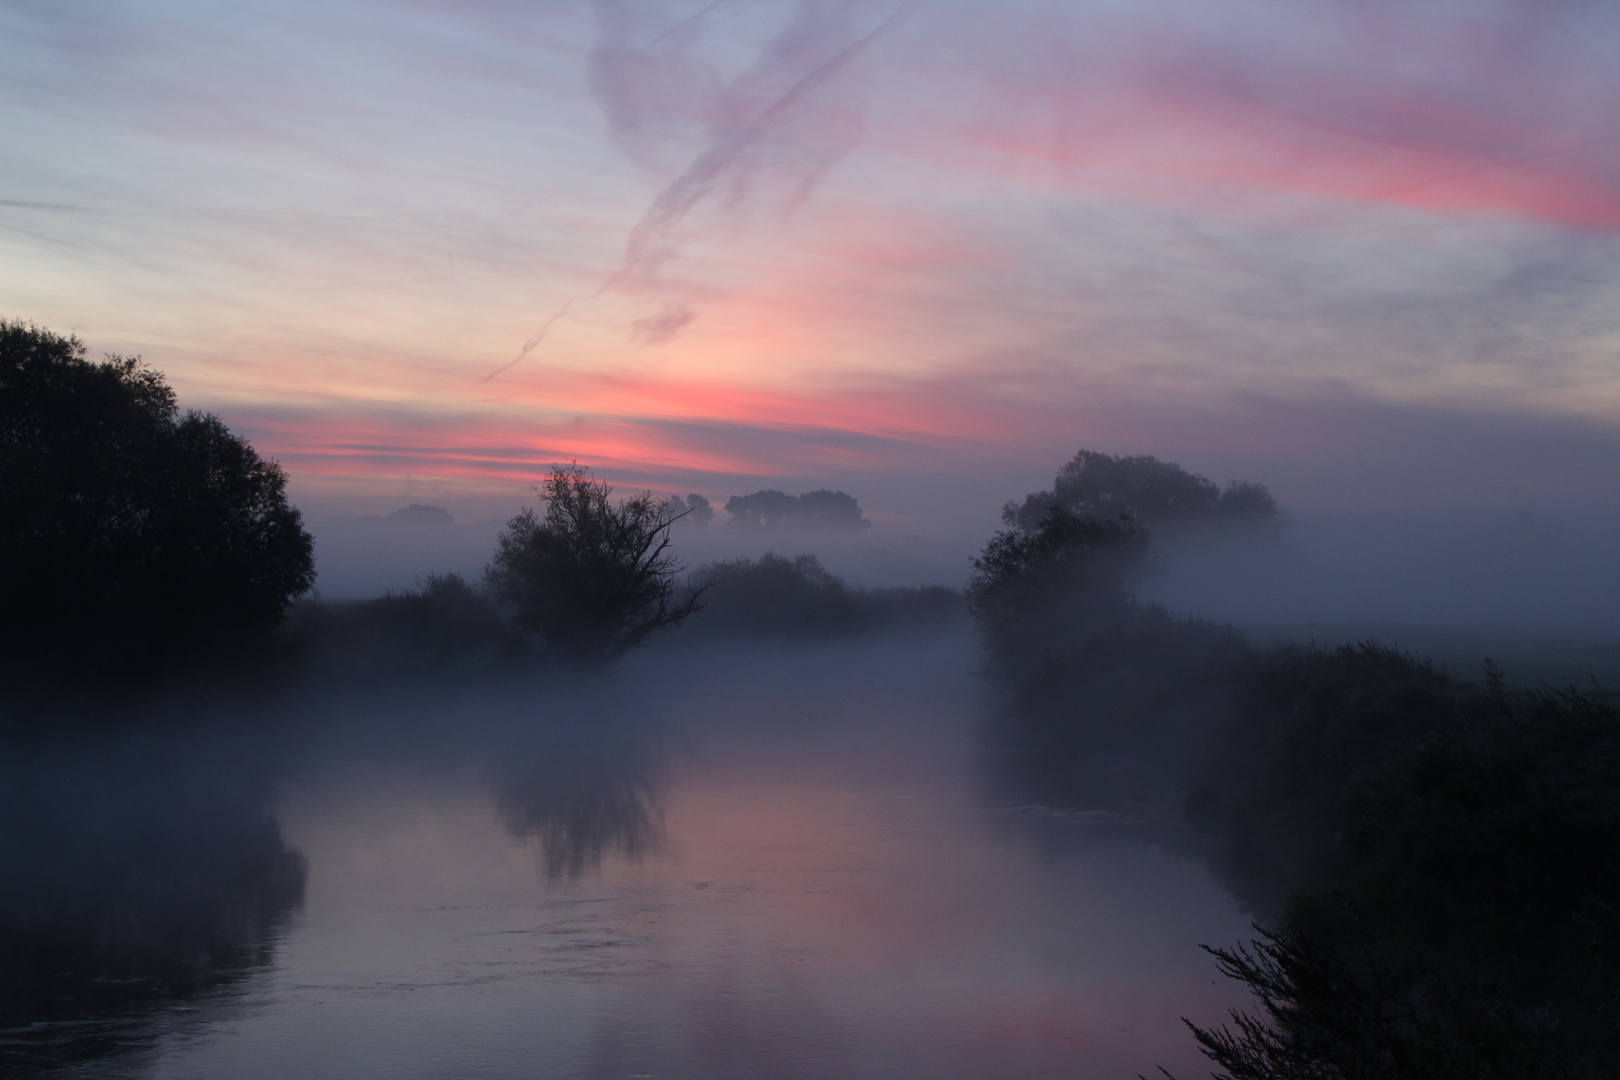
[141, 541]
[768, 509]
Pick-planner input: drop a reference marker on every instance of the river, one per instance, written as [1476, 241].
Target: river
[741, 863]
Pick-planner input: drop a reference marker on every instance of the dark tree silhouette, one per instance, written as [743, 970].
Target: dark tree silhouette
[1438, 860]
[821, 509]
[421, 515]
[694, 510]
[775, 596]
[1081, 564]
[699, 512]
[442, 629]
[832, 510]
[131, 535]
[591, 578]
[1154, 492]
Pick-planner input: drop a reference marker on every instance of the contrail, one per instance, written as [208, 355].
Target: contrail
[677, 200]
[545, 328]
[686, 191]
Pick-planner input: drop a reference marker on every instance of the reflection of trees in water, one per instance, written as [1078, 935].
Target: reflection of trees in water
[584, 805]
[130, 882]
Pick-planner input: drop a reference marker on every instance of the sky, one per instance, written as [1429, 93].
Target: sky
[1367, 252]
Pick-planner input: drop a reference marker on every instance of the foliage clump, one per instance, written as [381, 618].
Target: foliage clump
[592, 579]
[133, 536]
[779, 596]
[1103, 690]
[1081, 568]
[818, 510]
[693, 511]
[776, 597]
[1155, 493]
[444, 627]
[1347, 1012]
[1455, 909]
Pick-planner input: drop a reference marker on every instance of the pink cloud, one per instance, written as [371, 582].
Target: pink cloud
[649, 426]
[1459, 110]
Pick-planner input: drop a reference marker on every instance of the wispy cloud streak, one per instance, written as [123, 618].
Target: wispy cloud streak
[819, 42]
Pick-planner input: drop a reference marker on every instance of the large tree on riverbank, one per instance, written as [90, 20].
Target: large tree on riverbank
[131, 535]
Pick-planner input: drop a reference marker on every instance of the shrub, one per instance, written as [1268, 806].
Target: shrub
[777, 596]
[1104, 487]
[445, 627]
[772, 509]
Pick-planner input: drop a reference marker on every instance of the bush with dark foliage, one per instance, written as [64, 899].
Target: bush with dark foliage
[1348, 1013]
[132, 536]
[798, 598]
[444, 628]
[1107, 697]
[1456, 911]
[820, 510]
[1061, 576]
[1156, 493]
[776, 596]
[591, 578]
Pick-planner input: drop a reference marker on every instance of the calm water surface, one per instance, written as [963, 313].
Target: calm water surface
[762, 865]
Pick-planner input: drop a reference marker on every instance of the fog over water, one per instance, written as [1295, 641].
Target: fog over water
[738, 864]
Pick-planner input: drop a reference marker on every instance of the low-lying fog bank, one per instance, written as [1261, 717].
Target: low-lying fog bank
[1516, 574]
[776, 856]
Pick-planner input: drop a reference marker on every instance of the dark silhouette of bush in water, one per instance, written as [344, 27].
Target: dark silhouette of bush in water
[132, 536]
[1348, 1013]
[591, 579]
